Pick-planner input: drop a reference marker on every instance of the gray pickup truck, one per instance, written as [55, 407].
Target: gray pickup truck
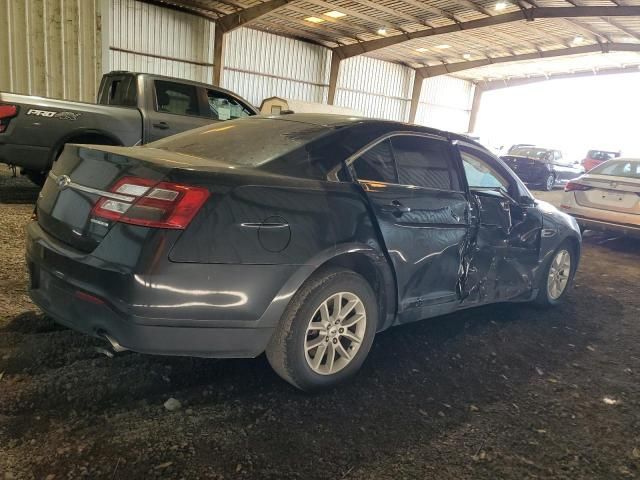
[132, 109]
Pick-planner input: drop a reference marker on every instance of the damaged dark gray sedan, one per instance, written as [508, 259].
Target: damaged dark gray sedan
[300, 236]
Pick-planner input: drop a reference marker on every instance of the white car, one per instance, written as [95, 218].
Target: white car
[607, 198]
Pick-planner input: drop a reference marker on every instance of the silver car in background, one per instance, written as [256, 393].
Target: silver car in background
[606, 198]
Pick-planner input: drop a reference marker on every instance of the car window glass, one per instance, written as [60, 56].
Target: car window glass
[376, 164]
[423, 162]
[176, 98]
[618, 168]
[120, 91]
[480, 173]
[225, 107]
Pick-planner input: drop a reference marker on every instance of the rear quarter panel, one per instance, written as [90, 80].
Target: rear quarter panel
[276, 222]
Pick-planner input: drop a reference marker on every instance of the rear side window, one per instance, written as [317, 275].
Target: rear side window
[376, 164]
[176, 98]
[120, 91]
[225, 107]
[424, 162]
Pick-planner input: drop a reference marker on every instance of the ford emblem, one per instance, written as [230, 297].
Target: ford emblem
[63, 181]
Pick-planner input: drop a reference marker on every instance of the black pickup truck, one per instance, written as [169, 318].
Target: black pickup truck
[132, 109]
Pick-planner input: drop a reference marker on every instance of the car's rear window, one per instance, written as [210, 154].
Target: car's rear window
[618, 168]
[247, 142]
[601, 155]
[530, 152]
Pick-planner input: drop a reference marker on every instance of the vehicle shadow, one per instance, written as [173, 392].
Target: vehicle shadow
[16, 190]
[617, 243]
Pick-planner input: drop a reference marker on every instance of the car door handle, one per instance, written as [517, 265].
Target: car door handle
[395, 208]
[161, 125]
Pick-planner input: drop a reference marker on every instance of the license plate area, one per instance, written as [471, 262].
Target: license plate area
[612, 197]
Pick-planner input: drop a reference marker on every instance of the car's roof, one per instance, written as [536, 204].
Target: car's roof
[338, 121]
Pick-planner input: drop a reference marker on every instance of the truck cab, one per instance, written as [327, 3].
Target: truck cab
[131, 109]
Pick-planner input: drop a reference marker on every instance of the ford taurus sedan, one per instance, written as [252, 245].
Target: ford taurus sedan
[301, 236]
[607, 198]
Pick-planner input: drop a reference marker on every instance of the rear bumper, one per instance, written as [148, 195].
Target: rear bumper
[26, 156]
[226, 311]
[135, 333]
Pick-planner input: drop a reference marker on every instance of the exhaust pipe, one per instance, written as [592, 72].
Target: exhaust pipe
[114, 344]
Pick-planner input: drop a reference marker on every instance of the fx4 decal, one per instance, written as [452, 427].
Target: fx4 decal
[49, 114]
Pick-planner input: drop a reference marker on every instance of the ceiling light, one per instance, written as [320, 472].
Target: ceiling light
[443, 46]
[501, 5]
[335, 14]
[314, 19]
[466, 56]
[422, 49]
[382, 31]
[578, 40]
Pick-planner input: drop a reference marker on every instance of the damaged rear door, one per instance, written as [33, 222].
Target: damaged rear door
[504, 242]
[416, 194]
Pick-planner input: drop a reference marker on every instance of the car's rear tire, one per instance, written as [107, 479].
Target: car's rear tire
[326, 331]
[557, 277]
[550, 182]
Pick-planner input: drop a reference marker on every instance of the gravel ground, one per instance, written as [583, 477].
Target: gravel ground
[506, 391]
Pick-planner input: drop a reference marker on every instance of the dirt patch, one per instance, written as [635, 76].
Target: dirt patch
[506, 391]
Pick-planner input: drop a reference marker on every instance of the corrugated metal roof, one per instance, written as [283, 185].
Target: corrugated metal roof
[368, 20]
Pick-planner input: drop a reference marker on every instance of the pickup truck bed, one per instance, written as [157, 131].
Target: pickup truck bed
[44, 125]
[132, 109]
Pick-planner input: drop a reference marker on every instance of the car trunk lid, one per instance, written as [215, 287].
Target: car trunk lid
[619, 194]
[71, 206]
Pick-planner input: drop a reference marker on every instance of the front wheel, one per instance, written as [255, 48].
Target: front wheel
[326, 332]
[550, 182]
[557, 277]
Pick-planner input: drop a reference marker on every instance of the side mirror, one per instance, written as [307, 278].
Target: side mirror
[526, 201]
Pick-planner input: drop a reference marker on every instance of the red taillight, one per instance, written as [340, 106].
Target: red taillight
[7, 112]
[150, 203]
[575, 186]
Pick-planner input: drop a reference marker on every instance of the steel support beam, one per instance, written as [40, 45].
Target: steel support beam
[437, 70]
[516, 82]
[232, 21]
[242, 17]
[475, 107]
[218, 55]
[418, 80]
[529, 14]
[333, 77]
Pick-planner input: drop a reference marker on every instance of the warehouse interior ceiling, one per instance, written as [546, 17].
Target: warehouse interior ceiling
[477, 40]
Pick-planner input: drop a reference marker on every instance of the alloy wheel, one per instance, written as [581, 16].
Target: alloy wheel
[559, 274]
[335, 333]
[550, 182]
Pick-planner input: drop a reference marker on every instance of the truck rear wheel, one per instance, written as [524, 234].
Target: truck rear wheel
[92, 139]
[36, 177]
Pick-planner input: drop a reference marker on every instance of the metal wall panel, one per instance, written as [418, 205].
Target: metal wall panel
[376, 88]
[445, 103]
[151, 39]
[259, 65]
[51, 48]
